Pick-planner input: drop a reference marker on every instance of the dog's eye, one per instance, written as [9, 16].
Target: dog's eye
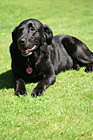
[20, 30]
[31, 27]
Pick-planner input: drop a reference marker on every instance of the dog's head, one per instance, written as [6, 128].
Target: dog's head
[30, 35]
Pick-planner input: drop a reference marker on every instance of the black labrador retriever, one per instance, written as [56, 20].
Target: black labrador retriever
[37, 56]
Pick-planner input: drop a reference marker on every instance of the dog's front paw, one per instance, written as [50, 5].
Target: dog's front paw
[20, 88]
[89, 68]
[22, 92]
[37, 92]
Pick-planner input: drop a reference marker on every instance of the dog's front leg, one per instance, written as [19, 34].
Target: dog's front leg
[43, 84]
[20, 87]
[48, 79]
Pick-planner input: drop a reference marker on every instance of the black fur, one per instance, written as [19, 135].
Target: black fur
[34, 46]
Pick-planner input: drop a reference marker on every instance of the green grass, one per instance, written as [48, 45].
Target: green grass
[65, 112]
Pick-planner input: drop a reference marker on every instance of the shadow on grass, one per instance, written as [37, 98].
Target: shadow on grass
[6, 80]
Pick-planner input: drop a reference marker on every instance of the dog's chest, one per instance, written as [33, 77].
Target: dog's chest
[34, 67]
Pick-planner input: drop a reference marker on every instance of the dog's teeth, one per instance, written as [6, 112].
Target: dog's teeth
[26, 54]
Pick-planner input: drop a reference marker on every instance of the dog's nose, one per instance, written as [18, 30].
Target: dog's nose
[22, 41]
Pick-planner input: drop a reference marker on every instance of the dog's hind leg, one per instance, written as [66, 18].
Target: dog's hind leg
[85, 57]
[79, 52]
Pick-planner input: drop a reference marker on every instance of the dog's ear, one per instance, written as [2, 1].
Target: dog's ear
[48, 34]
[14, 35]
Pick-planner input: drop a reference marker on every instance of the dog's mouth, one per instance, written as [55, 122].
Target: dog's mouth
[29, 51]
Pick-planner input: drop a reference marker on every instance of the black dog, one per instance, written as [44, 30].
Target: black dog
[37, 56]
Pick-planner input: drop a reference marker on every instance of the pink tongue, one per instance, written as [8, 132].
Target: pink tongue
[28, 50]
[29, 70]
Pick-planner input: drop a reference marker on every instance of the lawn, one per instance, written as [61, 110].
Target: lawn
[65, 112]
